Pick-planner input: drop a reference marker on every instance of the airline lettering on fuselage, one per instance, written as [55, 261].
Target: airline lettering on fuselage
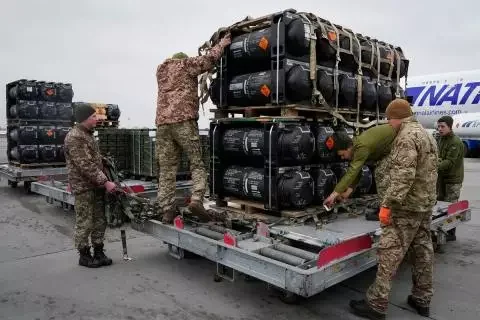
[471, 124]
[436, 96]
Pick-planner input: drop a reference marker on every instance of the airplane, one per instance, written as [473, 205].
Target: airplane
[436, 95]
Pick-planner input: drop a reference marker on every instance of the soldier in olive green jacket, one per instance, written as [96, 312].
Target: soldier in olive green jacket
[450, 167]
[373, 145]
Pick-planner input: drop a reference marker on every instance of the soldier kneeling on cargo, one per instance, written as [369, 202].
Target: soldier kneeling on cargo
[450, 167]
[371, 146]
[177, 127]
[88, 183]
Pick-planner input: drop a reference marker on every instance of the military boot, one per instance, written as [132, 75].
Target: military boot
[86, 259]
[99, 256]
[197, 209]
[362, 309]
[169, 215]
[451, 235]
[423, 311]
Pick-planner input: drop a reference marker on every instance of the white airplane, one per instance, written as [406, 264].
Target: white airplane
[434, 96]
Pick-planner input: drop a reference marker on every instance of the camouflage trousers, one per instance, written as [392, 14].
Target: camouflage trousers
[407, 235]
[90, 218]
[448, 192]
[171, 140]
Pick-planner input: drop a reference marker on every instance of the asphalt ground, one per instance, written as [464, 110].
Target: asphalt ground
[40, 277]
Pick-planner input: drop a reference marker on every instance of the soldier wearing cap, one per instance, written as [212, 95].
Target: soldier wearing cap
[405, 216]
[88, 183]
[450, 167]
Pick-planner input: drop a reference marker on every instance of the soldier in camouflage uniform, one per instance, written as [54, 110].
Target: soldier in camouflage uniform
[88, 183]
[177, 128]
[450, 168]
[405, 216]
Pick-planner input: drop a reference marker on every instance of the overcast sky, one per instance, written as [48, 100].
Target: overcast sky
[109, 50]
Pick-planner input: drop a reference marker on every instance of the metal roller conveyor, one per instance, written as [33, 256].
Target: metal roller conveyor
[282, 256]
[309, 256]
[209, 233]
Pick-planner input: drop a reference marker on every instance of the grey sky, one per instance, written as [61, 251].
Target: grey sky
[109, 50]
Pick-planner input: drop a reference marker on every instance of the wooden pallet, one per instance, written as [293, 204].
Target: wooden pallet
[293, 110]
[107, 124]
[37, 165]
[257, 209]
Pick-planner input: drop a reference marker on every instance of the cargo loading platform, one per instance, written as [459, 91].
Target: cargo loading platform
[297, 259]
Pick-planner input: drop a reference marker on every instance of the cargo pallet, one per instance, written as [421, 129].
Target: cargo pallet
[300, 260]
[38, 165]
[107, 124]
[15, 174]
[300, 111]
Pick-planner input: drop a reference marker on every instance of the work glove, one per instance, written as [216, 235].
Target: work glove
[385, 216]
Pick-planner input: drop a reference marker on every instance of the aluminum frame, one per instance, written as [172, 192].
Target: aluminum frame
[297, 280]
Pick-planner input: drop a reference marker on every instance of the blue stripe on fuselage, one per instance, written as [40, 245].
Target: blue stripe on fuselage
[414, 92]
[438, 94]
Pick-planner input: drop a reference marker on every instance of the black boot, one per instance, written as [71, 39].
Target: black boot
[362, 309]
[423, 311]
[100, 257]
[86, 259]
[451, 235]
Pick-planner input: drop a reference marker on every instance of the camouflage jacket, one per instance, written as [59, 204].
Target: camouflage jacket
[177, 81]
[84, 161]
[413, 171]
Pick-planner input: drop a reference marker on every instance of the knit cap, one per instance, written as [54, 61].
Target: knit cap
[399, 109]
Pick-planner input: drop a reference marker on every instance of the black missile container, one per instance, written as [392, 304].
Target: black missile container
[324, 180]
[365, 182]
[291, 188]
[295, 87]
[272, 65]
[39, 114]
[270, 150]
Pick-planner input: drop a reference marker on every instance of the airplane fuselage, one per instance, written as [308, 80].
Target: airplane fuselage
[434, 96]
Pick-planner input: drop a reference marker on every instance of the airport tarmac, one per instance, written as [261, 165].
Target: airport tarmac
[40, 277]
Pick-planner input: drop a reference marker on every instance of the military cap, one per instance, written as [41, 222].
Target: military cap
[180, 55]
[398, 109]
[83, 111]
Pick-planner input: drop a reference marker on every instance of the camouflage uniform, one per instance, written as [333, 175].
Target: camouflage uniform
[170, 138]
[86, 178]
[449, 192]
[381, 174]
[411, 196]
[176, 121]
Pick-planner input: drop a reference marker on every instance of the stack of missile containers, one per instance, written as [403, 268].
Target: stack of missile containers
[289, 162]
[39, 115]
